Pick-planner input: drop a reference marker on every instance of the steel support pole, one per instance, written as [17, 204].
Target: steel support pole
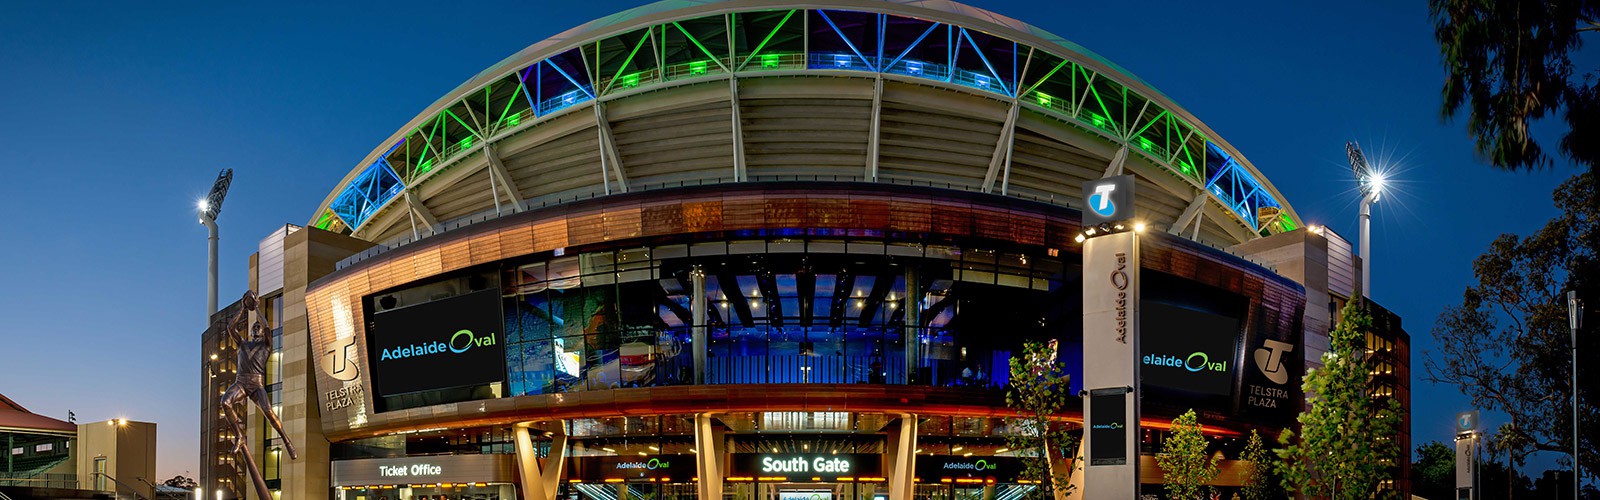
[697, 331]
[1366, 245]
[1574, 317]
[211, 277]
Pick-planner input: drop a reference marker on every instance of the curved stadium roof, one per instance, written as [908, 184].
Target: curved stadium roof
[685, 92]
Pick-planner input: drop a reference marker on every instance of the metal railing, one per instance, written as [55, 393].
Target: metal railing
[40, 480]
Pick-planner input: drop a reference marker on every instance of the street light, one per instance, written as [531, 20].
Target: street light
[199, 493]
[209, 208]
[1574, 320]
[1371, 188]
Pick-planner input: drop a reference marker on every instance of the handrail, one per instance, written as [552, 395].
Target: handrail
[124, 485]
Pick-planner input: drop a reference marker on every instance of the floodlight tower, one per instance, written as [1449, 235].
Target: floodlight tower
[209, 208]
[1371, 187]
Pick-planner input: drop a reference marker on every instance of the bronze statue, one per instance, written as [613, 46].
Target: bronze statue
[250, 382]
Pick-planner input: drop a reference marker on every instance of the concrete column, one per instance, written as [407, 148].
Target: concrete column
[697, 309]
[710, 443]
[541, 481]
[903, 458]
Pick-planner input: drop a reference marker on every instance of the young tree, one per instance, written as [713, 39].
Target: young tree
[1346, 440]
[1260, 485]
[1507, 346]
[1040, 390]
[1433, 472]
[1186, 468]
[1509, 65]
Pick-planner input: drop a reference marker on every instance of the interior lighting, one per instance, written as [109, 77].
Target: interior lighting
[1138, 227]
[841, 60]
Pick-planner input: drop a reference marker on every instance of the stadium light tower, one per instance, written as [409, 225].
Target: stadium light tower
[1371, 188]
[209, 208]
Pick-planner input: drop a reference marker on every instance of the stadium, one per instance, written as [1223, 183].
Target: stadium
[761, 249]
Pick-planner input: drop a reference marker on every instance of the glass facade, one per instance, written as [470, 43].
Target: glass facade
[781, 311]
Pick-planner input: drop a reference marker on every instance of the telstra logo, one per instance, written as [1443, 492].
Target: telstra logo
[1269, 359]
[1101, 202]
[337, 364]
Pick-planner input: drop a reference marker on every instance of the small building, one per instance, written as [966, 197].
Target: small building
[50, 458]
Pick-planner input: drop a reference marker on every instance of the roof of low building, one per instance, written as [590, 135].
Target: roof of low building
[14, 417]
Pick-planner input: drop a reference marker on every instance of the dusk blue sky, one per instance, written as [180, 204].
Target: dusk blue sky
[119, 114]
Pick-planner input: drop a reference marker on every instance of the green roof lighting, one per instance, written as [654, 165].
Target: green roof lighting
[1145, 144]
[1043, 99]
[1286, 224]
[513, 120]
[466, 142]
[630, 80]
[1097, 120]
[324, 221]
[425, 166]
[769, 61]
[1186, 167]
[697, 68]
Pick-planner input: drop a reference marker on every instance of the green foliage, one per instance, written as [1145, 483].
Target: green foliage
[1509, 66]
[1346, 438]
[1040, 390]
[1507, 346]
[1262, 482]
[1433, 473]
[1186, 468]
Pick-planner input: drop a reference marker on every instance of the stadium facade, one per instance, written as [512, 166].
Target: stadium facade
[766, 249]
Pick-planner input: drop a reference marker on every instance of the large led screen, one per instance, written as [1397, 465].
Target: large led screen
[1187, 350]
[447, 343]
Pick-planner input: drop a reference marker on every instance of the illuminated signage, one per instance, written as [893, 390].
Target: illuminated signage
[678, 468]
[1188, 350]
[415, 470]
[452, 342]
[488, 468]
[932, 468]
[799, 464]
[1108, 426]
[1108, 200]
[1194, 362]
[806, 466]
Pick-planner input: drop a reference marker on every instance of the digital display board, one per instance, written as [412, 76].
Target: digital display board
[447, 343]
[932, 468]
[1187, 350]
[1108, 426]
[675, 468]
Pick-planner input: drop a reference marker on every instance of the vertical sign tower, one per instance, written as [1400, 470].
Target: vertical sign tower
[1111, 339]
